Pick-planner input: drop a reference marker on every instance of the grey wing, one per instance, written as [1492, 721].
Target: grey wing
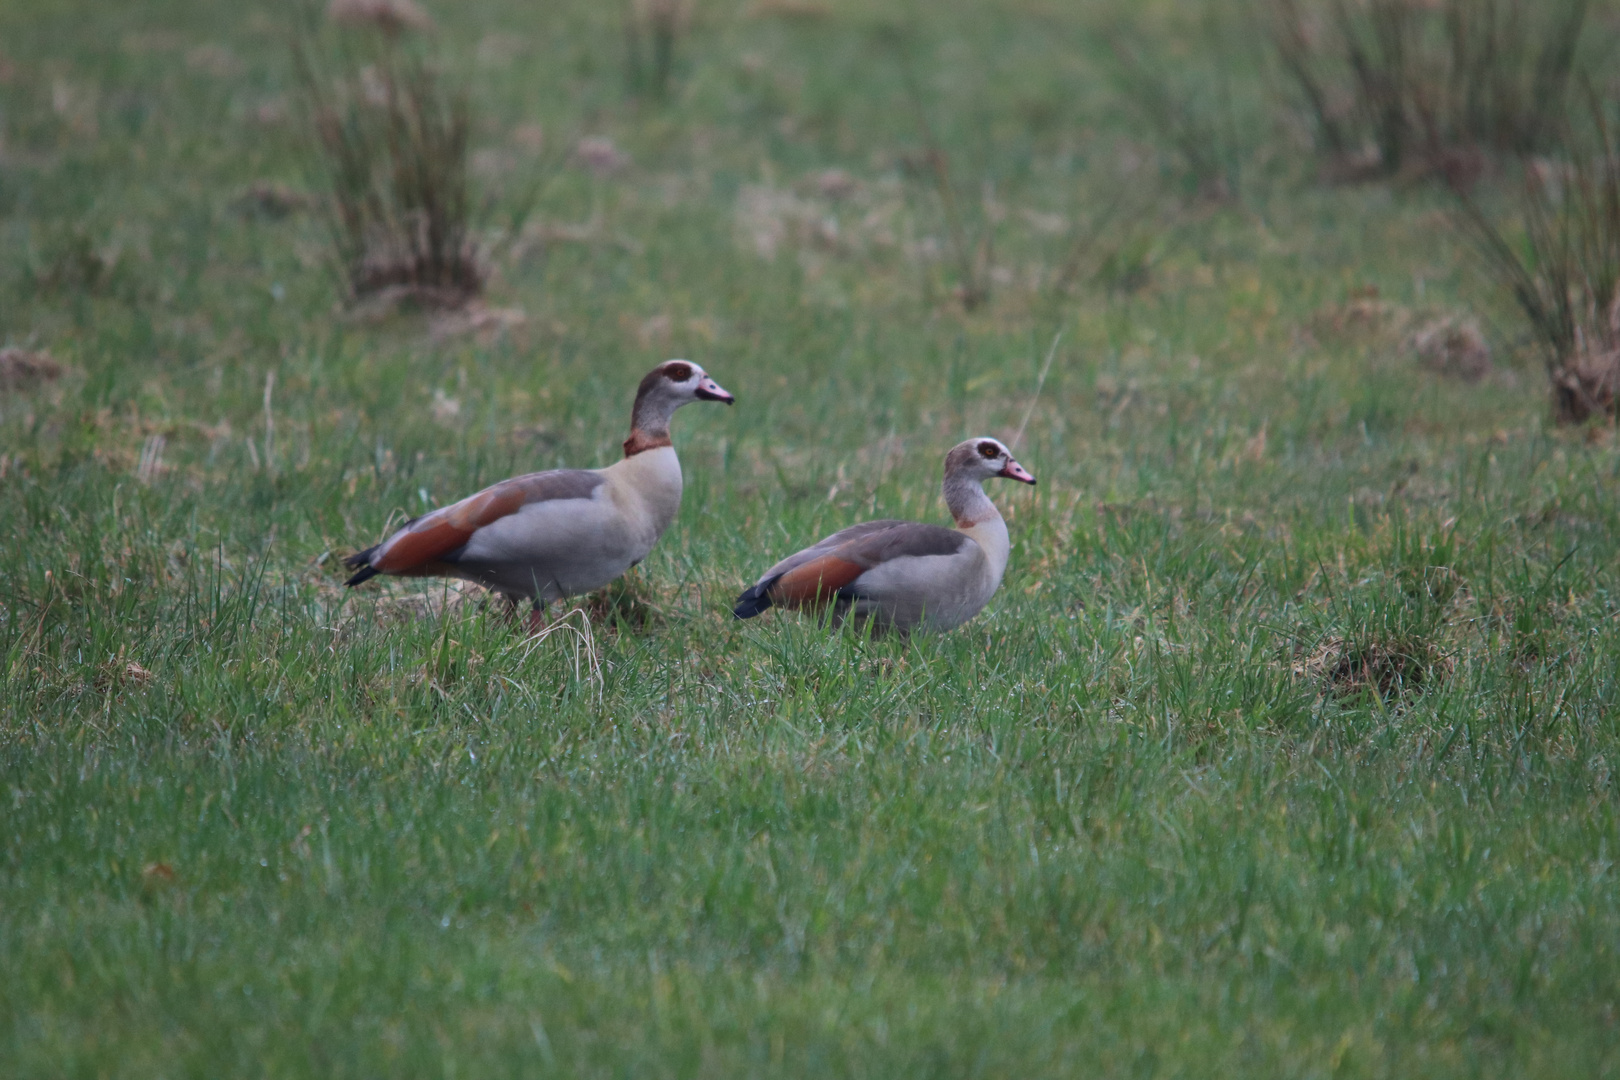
[902, 539]
[822, 547]
[558, 484]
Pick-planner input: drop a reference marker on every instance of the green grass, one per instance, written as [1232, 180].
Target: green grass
[1287, 748]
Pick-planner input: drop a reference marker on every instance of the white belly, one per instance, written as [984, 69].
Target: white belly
[554, 549]
[929, 592]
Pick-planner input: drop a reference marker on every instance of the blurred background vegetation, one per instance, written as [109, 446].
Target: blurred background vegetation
[1287, 747]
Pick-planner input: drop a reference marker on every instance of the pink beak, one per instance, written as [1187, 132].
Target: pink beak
[1014, 471]
[709, 390]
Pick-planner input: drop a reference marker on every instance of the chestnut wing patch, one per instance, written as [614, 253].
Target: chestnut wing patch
[815, 580]
[426, 543]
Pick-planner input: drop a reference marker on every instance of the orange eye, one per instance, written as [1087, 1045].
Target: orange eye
[989, 450]
[678, 372]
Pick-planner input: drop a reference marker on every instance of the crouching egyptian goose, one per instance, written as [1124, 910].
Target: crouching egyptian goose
[553, 534]
[905, 575]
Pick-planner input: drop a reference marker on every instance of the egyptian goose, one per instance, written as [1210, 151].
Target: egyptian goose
[553, 534]
[903, 575]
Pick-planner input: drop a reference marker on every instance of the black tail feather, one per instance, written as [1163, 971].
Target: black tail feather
[361, 560]
[754, 600]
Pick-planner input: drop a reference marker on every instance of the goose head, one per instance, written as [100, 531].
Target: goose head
[675, 383]
[983, 459]
[663, 390]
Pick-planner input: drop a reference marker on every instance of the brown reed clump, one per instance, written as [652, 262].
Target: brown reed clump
[652, 29]
[391, 140]
[1418, 86]
[1565, 274]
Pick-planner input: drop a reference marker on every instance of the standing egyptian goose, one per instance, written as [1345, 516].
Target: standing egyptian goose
[905, 575]
[554, 534]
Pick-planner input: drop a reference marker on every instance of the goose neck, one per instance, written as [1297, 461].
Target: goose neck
[649, 423]
[969, 505]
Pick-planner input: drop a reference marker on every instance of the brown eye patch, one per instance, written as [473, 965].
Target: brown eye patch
[989, 450]
[677, 372]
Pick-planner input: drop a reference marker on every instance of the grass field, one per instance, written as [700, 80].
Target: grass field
[1287, 748]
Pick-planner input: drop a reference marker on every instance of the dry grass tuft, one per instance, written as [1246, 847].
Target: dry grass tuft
[1390, 668]
[601, 155]
[392, 606]
[1363, 313]
[76, 263]
[271, 201]
[627, 604]
[22, 370]
[1454, 347]
[120, 674]
[477, 320]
